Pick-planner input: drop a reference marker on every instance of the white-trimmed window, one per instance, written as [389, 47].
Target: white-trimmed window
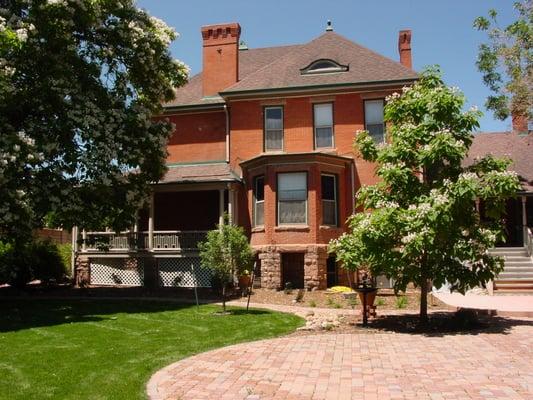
[329, 199]
[259, 201]
[374, 123]
[323, 118]
[292, 198]
[273, 128]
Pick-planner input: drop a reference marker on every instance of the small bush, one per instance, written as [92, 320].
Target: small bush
[352, 301]
[35, 260]
[312, 303]
[380, 302]
[401, 302]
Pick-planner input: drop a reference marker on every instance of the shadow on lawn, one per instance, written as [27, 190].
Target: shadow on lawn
[463, 322]
[18, 314]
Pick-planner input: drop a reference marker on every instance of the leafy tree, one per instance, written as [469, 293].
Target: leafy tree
[419, 222]
[80, 82]
[506, 62]
[226, 252]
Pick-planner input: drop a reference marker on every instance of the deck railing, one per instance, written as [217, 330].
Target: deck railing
[132, 241]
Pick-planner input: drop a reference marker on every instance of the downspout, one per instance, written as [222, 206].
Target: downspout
[352, 167]
[226, 111]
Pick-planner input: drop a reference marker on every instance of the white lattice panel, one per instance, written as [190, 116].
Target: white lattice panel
[117, 271]
[177, 272]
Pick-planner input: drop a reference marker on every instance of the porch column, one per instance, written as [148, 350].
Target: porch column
[221, 207]
[231, 204]
[524, 219]
[477, 204]
[151, 224]
[74, 234]
[84, 243]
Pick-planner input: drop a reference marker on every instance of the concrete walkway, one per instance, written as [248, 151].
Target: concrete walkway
[491, 365]
[521, 306]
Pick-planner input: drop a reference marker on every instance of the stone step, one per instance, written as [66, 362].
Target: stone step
[518, 269]
[517, 258]
[505, 275]
[518, 264]
[513, 285]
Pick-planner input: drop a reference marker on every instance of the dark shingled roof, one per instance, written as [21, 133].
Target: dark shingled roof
[196, 173]
[279, 67]
[519, 148]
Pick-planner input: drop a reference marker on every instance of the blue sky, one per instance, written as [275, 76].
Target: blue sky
[442, 31]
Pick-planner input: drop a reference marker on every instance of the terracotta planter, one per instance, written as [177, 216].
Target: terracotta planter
[370, 297]
[244, 281]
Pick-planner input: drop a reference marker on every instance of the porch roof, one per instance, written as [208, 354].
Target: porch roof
[519, 148]
[199, 173]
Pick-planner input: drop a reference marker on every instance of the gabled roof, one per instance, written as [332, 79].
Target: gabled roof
[274, 68]
[365, 66]
[519, 148]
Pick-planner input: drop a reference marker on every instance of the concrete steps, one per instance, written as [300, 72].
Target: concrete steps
[517, 274]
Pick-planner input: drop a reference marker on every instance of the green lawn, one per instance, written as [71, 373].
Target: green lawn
[108, 349]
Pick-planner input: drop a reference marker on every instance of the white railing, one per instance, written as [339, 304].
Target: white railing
[529, 241]
[131, 241]
[175, 240]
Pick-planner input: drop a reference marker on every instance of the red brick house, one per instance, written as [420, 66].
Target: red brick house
[266, 136]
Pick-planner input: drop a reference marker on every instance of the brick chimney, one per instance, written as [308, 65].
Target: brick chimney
[520, 123]
[220, 57]
[404, 48]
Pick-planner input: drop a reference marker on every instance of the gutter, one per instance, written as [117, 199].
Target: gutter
[353, 186]
[308, 88]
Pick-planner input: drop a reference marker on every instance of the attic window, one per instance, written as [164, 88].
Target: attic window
[323, 66]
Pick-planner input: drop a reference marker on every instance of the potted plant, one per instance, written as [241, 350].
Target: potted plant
[244, 280]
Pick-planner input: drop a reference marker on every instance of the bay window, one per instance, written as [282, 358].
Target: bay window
[329, 200]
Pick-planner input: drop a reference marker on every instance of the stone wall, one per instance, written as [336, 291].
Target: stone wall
[315, 257]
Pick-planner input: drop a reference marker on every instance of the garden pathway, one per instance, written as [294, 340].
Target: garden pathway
[382, 365]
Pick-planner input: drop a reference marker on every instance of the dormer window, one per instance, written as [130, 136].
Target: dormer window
[323, 66]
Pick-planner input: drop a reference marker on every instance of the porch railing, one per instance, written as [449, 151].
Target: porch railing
[529, 241]
[131, 241]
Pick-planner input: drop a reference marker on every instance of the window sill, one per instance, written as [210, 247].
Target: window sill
[292, 228]
[258, 229]
[329, 227]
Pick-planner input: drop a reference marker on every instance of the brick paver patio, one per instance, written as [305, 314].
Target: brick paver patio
[359, 366]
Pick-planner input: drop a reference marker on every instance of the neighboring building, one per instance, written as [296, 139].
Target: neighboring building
[517, 249]
[265, 135]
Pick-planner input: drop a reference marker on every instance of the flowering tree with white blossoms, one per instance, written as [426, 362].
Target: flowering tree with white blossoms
[419, 223]
[80, 82]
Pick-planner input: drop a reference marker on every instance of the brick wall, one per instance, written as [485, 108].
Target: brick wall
[198, 137]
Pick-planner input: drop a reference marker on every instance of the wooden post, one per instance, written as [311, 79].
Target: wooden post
[84, 243]
[151, 224]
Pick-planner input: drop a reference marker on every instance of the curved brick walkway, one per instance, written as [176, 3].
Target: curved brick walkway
[359, 366]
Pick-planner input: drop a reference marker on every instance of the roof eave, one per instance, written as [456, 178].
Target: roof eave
[310, 88]
[193, 107]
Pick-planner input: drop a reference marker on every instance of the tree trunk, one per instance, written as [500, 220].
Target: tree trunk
[423, 317]
[224, 296]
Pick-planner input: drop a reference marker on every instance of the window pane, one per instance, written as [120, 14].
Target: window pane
[324, 137]
[323, 115]
[292, 181]
[259, 213]
[259, 190]
[373, 112]
[292, 212]
[328, 187]
[274, 140]
[376, 132]
[274, 118]
[329, 212]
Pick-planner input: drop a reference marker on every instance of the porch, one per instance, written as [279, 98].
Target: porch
[161, 249]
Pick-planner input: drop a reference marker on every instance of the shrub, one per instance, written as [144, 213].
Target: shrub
[35, 260]
[401, 302]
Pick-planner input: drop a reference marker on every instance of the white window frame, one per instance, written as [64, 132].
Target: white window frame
[265, 130]
[306, 199]
[335, 200]
[256, 179]
[315, 127]
[383, 120]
